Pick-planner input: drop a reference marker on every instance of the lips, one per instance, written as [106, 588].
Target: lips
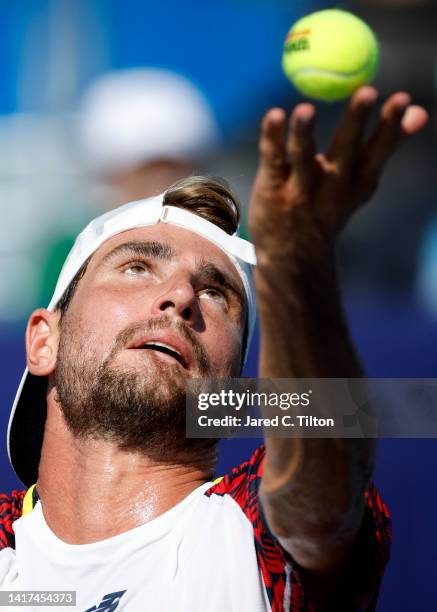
[168, 343]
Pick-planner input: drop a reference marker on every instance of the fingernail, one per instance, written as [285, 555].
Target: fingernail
[403, 104]
[305, 120]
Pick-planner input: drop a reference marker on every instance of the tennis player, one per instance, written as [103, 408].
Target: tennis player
[120, 506]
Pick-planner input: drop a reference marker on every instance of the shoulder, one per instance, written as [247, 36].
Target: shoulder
[242, 485]
[11, 507]
[284, 580]
[242, 481]
[8, 569]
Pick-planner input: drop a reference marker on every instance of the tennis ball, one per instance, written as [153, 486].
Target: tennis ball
[329, 54]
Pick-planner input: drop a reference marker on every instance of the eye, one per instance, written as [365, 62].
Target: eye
[214, 295]
[136, 268]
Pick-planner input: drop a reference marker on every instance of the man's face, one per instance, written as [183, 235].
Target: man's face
[156, 306]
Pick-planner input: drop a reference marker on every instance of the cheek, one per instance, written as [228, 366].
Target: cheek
[223, 344]
[101, 319]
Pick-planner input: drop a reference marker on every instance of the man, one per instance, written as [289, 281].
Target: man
[124, 510]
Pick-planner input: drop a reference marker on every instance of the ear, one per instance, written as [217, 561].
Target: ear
[42, 339]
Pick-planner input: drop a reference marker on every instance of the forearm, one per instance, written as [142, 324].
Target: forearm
[312, 489]
[303, 332]
[312, 492]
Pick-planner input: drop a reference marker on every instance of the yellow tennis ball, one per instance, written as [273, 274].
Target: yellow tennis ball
[329, 54]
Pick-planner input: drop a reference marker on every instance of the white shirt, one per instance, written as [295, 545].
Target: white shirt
[212, 552]
[198, 556]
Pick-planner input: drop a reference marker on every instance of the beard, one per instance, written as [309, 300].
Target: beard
[141, 410]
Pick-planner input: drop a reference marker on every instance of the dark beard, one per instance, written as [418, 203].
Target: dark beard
[138, 412]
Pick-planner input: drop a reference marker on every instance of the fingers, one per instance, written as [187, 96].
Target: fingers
[273, 162]
[290, 159]
[347, 141]
[397, 119]
[277, 153]
[414, 120]
[301, 146]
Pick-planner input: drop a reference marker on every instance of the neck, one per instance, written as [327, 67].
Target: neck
[91, 490]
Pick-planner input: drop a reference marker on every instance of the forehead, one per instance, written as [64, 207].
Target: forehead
[185, 244]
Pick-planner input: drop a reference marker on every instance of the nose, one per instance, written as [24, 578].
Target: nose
[177, 298]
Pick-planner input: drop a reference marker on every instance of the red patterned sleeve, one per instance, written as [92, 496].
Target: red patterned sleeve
[374, 541]
[283, 578]
[10, 510]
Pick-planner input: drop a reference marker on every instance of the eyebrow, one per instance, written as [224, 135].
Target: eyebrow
[157, 250]
[206, 271]
[209, 273]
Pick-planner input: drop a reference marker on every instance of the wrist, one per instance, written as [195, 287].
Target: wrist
[295, 264]
[298, 249]
[293, 286]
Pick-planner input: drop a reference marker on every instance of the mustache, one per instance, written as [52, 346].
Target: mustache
[128, 335]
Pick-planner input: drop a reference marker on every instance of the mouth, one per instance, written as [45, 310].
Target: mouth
[170, 345]
[160, 347]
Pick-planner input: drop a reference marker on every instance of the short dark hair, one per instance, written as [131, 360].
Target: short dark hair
[210, 198]
[68, 294]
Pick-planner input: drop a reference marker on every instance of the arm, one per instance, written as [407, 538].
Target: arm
[301, 201]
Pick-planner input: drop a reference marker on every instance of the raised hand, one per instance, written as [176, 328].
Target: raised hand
[301, 198]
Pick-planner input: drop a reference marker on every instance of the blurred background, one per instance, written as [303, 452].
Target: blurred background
[102, 101]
